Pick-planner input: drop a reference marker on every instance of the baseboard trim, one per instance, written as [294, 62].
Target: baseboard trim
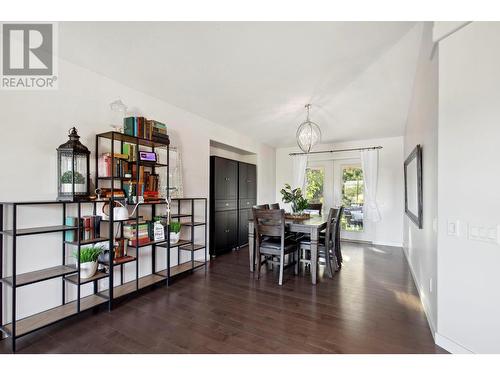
[430, 322]
[390, 244]
[450, 345]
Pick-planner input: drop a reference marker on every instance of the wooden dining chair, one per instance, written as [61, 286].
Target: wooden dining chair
[262, 206]
[326, 245]
[274, 206]
[271, 241]
[338, 250]
[314, 207]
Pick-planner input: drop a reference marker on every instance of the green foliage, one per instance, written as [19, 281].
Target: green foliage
[88, 254]
[353, 186]
[67, 178]
[175, 226]
[314, 185]
[295, 197]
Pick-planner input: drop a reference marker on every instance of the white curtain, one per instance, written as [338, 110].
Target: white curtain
[369, 163]
[299, 171]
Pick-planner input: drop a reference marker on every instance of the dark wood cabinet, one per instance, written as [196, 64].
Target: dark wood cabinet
[233, 192]
[226, 179]
[247, 187]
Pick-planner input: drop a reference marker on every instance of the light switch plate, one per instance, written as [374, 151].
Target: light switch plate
[453, 228]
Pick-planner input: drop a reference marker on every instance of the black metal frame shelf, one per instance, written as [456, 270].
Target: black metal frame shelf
[70, 274]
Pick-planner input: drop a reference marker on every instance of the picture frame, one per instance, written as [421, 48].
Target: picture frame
[413, 186]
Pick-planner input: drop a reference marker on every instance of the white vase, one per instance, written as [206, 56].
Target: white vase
[174, 237]
[68, 188]
[88, 269]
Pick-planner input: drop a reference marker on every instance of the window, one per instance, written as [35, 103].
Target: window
[352, 198]
[314, 184]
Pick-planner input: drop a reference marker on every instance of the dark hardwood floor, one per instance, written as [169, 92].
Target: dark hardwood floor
[371, 306]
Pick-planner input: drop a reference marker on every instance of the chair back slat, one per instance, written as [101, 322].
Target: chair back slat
[268, 222]
[274, 206]
[262, 207]
[315, 207]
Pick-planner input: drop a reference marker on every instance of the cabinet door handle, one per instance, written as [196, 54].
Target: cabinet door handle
[227, 231]
[227, 204]
[227, 178]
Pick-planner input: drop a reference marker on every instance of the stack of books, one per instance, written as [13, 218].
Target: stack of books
[90, 228]
[130, 232]
[143, 128]
[130, 151]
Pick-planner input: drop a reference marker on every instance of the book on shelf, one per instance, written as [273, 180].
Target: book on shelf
[90, 228]
[138, 126]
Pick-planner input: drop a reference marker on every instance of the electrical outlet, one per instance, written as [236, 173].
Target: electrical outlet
[483, 233]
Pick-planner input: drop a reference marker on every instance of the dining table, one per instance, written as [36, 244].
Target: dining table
[311, 226]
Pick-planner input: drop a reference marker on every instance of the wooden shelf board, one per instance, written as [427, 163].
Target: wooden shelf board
[121, 260]
[150, 243]
[39, 275]
[129, 287]
[180, 243]
[191, 224]
[131, 139]
[48, 317]
[181, 268]
[88, 242]
[74, 278]
[39, 230]
[176, 216]
[195, 247]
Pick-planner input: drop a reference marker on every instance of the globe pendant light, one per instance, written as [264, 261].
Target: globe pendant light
[308, 133]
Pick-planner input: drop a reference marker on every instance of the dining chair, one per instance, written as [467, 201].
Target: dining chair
[271, 241]
[262, 206]
[274, 206]
[314, 207]
[326, 245]
[338, 250]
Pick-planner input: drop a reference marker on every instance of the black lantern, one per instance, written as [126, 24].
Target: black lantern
[73, 172]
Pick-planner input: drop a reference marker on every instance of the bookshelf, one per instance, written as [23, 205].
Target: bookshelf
[106, 287]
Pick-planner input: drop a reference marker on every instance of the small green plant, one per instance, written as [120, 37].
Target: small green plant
[88, 254]
[67, 178]
[175, 226]
[295, 197]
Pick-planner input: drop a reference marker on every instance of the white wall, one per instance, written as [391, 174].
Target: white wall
[469, 134]
[389, 231]
[34, 123]
[420, 245]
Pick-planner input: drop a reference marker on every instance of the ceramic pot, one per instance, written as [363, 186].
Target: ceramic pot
[174, 237]
[88, 269]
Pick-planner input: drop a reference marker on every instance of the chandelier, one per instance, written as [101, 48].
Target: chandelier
[308, 133]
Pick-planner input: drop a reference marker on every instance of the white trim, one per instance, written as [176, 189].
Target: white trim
[391, 244]
[450, 345]
[430, 322]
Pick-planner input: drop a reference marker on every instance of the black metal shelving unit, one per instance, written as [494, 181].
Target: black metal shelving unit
[188, 220]
[70, 274]
[66, 272]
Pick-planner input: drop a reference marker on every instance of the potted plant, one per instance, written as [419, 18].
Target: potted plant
[295, 197]
[88, 260]
[175, 231]
[67, 182]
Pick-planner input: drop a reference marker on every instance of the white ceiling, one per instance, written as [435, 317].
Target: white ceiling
[256, 77]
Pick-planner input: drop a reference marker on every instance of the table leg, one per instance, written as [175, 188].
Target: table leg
[314, 255]
[251, 246]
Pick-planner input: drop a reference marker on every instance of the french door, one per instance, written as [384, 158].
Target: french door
[348, 191]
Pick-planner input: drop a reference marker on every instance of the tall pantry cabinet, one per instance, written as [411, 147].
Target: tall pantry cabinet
[233, 192]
